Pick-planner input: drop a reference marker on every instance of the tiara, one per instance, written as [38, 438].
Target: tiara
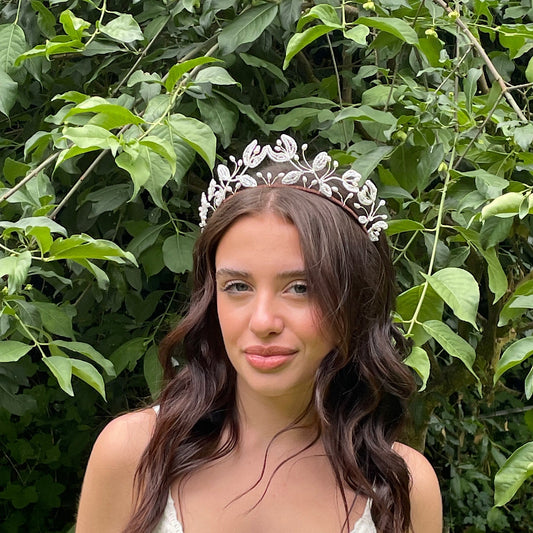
[317, 177]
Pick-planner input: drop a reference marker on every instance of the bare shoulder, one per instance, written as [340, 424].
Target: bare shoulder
[426, 502]
[124, 439]
[107, 495]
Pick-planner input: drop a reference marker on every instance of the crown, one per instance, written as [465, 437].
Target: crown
[317, 177]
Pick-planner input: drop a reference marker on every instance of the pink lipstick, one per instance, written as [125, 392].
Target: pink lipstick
[268, 357]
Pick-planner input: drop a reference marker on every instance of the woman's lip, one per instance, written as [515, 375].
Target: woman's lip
[267, 362]
[269, 351]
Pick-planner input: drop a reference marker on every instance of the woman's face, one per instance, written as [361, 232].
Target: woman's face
[270, 326]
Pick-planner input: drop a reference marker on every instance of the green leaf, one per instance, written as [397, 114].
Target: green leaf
[216, 76]
[326, 13]
[518, 352]
[253, 61]
[153, 371]
[220, 117]
[11, 351]
[15, 267]
[8, 93]
[300, 40]
[128, 354]
[88, 136]
[161, 147]
[56, 319]
[470, 86]
[45, 18]
[177, 71]
[456, 346]
[357, 34]
[85, 247]
[61, 368]
[497, 277]
[108, 115]
[12, 44]
[402, 225]
[418, 360]
[197, 135]
[431, 309]
[529, 71]
[528, 385]
[177, 252]
[509, 310]
[73, 26]
[512, 474]
[506, 205]
[28, 223]
[459, 290]
[101, 277]
[86, 372]
[294, 118]
[87, 350]
[365, 113]
[395, 26]
[124, 28]
[247, 27]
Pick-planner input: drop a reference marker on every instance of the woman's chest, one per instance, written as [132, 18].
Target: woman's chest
[299, 495]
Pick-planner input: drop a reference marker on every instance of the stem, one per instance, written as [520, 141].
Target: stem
[18, 13]
[480, 129]
[97, 25]
[438, 226]
[77, 184]
[139, 59]
[487, 60]
[31, 175]
[339, 89]
[36, 343]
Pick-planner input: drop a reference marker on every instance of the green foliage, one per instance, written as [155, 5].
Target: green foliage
[110, 125]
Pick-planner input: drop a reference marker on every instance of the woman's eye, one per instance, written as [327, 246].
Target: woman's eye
[235, 286]
[298, 288]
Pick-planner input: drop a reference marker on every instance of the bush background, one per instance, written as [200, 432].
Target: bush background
[111, 116]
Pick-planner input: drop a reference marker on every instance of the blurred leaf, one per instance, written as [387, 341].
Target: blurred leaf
[177, 253]
[247, 27]
[178, 70]
[127, 355]
[153, 371]
[397, 27]
[300, 40]
[8, 93]
[12, 44]
[89, 374]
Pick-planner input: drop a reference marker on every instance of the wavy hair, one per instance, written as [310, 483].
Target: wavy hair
[361, 387]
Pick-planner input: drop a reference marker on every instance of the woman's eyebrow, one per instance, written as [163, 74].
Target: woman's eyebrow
[286, 274]
[229, 272]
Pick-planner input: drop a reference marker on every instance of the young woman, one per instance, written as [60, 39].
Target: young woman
[286, 415]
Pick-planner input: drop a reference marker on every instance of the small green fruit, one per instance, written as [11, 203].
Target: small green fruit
[430, 32]
[369, 6]
[453, 15]
[443, 167]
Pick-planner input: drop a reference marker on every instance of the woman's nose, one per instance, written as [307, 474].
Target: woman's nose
[265, 319]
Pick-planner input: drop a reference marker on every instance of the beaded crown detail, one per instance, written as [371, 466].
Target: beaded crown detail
[318, 177]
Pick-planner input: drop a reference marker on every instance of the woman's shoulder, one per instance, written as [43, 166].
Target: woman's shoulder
[426, 502]
[125, 438]
[107, 495]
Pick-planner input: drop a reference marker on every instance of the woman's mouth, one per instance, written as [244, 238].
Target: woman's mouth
[268, 357]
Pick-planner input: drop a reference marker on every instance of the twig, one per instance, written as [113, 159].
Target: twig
[77, 184]
[30, 176]
[139, 59]
[480, 129]
[506, 412]
[486, 59]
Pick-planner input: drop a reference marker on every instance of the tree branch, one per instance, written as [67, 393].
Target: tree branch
[486, 59]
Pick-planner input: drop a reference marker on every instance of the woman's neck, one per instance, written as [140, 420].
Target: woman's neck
[261, 418]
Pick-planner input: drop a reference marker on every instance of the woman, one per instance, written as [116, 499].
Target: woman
[286, 415]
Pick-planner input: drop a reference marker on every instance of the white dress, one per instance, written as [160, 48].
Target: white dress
[169, 522]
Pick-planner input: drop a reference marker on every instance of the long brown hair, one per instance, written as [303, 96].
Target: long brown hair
[361, 386]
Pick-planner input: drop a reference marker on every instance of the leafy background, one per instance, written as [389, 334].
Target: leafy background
[112, 115]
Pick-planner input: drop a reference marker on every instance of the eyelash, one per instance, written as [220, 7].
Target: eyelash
[231, 286]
